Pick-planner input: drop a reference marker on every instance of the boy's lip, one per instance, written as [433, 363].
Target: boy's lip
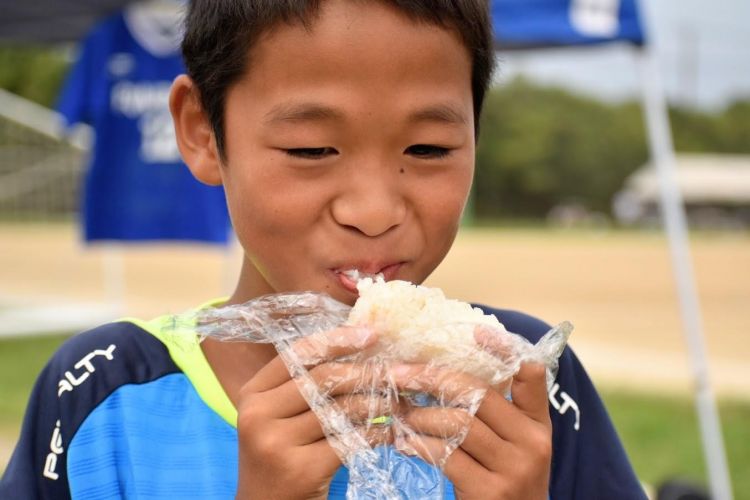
[388, 271]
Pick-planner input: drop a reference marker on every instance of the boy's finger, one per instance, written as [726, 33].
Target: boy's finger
[377, 435]
[529, 391]
[439, 422]
[371, 409]
[480, 442]
[330, 379]
[341, 341]
[459, 466]
[458, 389]
[495, 341]
[305, 428]
[451, 387]
[319, 459]
[432, 450]
[273, 374]
[310, 351]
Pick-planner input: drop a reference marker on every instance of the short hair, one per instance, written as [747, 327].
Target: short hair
[220, 33]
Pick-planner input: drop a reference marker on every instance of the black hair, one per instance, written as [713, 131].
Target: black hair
[220, 33]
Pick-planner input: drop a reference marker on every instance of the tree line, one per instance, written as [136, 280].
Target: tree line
[542, 146]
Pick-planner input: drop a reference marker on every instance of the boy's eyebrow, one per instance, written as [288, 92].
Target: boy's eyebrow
[301, 112]
[441, 113]
[310, 111]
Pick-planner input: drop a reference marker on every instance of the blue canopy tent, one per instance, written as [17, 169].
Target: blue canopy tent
[524, 24]
[52, 21]
[532, 24]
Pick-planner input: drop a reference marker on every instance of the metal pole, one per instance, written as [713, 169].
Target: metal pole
[673, 214]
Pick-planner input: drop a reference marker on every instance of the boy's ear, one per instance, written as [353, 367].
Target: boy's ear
[194, 134]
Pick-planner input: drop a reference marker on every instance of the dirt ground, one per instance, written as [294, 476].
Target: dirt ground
[616, 287]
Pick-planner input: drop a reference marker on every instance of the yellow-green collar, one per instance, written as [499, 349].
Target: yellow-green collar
[184, 349]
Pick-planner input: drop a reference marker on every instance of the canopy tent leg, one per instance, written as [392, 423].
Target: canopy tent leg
[673, 214]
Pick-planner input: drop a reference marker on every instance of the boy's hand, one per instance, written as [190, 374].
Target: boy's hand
[283, 452]
[507, 451]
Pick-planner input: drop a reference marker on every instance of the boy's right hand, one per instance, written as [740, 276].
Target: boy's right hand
[283, 452]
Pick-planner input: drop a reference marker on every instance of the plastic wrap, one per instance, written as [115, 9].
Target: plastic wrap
[455, 351]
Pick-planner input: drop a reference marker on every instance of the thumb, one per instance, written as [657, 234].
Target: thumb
[529, 391]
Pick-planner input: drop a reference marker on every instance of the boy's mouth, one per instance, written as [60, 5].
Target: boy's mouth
[348, 277]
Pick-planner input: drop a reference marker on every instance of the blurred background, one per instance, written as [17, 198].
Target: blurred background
[564, 224]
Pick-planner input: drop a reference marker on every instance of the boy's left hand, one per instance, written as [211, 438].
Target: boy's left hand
[508, 449]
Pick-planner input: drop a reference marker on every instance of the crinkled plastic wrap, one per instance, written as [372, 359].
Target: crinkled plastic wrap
[375, 426]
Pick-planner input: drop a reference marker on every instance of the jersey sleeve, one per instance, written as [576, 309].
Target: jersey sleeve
[588, 462]
[85, 83]
[72, 101]
[82, 373]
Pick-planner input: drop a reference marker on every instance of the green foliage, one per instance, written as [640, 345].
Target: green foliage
[725, 132]
[542, 146]
[35, 73]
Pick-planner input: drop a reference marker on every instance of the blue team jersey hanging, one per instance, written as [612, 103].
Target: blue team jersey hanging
[136, 188]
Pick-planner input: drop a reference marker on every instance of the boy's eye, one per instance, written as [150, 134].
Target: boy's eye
[427, 151]
[311, 153]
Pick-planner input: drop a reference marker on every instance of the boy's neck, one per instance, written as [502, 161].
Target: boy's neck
[234, 363]
[250, 284]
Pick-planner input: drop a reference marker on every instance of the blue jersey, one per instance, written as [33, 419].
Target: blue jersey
[123, 411]
[136, 186]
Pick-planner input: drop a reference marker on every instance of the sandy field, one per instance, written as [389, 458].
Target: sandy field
[616, 287]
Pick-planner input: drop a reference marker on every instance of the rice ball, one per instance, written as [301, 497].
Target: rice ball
[419, 324]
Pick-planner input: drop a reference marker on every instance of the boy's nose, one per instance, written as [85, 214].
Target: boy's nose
[372, 206]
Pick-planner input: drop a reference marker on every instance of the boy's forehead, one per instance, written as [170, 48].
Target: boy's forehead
[362, 69]
[374, 36]
[338, 26]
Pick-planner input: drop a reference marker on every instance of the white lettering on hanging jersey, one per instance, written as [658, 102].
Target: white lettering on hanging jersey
[148, 102]
[56, 448]
[595, 17]
[133, 99]
[564, 404]
[84, 368]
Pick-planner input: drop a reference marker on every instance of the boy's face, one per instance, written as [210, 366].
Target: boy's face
[349, 146]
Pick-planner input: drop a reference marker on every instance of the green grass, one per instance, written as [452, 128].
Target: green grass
[660, 432]
[21, 360]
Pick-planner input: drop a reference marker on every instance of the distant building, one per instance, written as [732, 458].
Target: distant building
[714, 187]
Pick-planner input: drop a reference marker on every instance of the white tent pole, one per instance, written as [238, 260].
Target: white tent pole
[673, 213]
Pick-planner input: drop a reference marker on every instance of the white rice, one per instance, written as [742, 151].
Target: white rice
[419, 324]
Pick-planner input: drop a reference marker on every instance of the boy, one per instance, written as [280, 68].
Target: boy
[343, 133]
